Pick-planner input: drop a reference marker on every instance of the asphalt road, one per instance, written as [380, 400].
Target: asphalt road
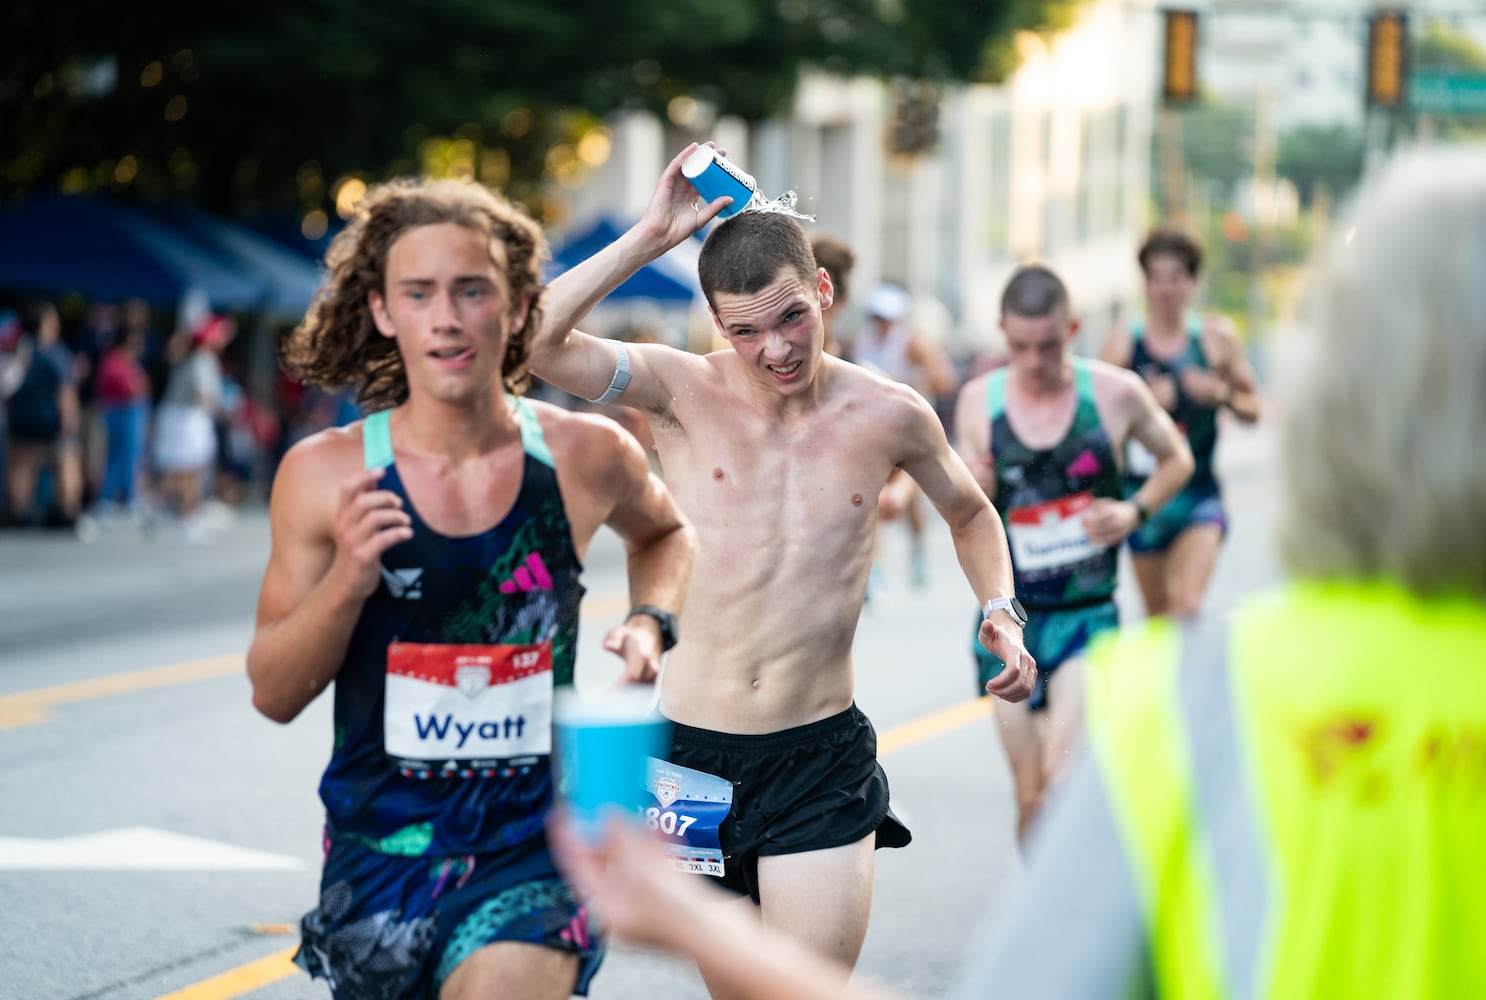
[124, 715]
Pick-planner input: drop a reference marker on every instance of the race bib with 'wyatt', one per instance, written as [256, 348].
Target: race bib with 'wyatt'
[467, 711]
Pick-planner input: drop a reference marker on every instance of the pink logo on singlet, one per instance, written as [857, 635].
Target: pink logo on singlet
[532, 576]
[1085, 465]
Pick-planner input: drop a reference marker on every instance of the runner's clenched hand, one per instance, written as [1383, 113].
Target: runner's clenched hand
[637, 642]
[1016, 681]
[368, 522]
[1108, 522]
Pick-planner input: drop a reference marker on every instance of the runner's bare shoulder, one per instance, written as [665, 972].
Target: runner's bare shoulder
[329, 455]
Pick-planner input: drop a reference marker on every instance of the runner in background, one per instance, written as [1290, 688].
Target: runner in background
[1195, 366]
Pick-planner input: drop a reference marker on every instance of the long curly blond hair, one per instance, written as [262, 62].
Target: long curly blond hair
[338, 345]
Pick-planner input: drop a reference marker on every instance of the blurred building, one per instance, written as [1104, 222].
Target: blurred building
[1305, 59]
[1052, 165]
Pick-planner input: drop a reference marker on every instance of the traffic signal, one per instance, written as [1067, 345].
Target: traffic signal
[1179, 65]
[1387, 59]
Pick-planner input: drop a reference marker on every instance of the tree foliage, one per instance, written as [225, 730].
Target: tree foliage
[266, 105]
[1321, 156]
[1441, 47]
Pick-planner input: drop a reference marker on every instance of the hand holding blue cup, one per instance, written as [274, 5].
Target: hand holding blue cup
[602, 745]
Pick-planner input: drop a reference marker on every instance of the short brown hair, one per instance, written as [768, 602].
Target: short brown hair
[743, 254]
[338, 344]
[1034, 291]
[1171, 243]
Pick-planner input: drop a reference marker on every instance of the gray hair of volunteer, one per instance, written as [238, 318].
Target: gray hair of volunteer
[1383, 437]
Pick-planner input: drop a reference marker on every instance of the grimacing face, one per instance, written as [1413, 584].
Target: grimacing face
[777, 331]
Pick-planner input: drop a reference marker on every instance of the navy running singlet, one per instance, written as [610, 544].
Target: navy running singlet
[443, 705]
[1198, 423]
[1042, 495]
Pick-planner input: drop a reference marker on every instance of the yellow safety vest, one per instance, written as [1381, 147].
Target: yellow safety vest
[1359, 717]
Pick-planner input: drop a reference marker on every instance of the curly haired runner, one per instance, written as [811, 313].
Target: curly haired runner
[427, 559]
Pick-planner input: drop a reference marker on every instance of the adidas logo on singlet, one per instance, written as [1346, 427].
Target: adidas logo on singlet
[531, 575]
[406, 584]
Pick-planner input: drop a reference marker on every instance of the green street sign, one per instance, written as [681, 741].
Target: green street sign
[1437, 92]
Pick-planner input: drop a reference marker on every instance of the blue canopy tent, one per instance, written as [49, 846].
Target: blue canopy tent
[104, 250]
[669, 279]
[289, 279]
[286, 231]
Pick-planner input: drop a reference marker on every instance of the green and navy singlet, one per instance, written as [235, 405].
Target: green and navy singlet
[1198, 423]
[1042, 495]
[443, 702]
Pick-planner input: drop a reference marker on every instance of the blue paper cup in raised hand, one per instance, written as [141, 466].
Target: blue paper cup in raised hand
[602, 743]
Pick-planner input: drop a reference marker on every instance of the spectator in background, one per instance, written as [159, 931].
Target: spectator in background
[185, 444]
[11, 372]
[42, 424]
[99, 333]
[122, 393]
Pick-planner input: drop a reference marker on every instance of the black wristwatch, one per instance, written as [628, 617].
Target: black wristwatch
[663, 618]
[1010, 605]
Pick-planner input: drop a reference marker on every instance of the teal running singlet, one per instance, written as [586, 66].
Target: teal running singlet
[443, 705]
[1042, 496]
[1198, 423]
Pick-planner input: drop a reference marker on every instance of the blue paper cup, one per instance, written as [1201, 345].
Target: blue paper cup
[602, 744]
[714, 175]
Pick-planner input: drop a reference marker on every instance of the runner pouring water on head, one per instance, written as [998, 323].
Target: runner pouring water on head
[777, 451]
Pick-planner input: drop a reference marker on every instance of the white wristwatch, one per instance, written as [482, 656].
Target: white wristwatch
[1008, 604]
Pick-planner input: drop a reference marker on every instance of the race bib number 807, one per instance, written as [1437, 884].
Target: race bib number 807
[687, 808]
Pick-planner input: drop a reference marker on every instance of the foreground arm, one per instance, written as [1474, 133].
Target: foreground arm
[585, 365]
[980, 541]
[324, 563]
[660, 546]
[643, 900]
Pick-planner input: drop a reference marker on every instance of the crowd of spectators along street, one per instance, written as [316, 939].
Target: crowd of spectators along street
[117, 415]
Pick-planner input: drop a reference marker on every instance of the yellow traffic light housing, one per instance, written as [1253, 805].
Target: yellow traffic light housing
[1179, 65]
[1387, 59]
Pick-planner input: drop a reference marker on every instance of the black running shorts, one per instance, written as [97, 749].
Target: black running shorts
[808, 788]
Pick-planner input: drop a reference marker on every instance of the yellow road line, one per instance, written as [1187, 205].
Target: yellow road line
[929, 726]
[255, 975]
[243, 979]
[28, 708]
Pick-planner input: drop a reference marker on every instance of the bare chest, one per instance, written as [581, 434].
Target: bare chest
[770, 483]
